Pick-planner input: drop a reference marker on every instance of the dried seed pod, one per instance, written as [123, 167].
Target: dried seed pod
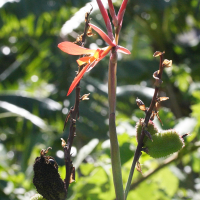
[164, 144]
[158, 53]
[85, 97]
[47, 179]
[151, 128]
[161, 99]
[167, 63]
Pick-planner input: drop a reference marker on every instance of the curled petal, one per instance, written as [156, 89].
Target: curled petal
[79, 76]
[73, 49]
[103, 35]
[123, 50]
[106, 19]
[121, 12]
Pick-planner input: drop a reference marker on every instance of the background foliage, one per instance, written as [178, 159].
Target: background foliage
[35, 76]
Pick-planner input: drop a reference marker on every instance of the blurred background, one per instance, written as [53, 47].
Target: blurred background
[35, 76]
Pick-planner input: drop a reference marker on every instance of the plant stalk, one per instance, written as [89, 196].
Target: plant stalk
[114, 146]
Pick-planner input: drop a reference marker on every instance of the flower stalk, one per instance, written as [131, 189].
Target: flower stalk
[114, 146]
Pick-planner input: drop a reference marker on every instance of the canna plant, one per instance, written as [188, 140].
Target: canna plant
[150, 140]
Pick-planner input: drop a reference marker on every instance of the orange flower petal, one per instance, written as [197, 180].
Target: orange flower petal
[79, 76]
[83, 60]
[73, 49]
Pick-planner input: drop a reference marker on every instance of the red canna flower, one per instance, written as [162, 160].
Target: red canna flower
[96, 55]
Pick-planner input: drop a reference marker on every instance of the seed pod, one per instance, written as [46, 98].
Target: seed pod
[151, 128]
[167, 63]
[164, 144]
[47, 179]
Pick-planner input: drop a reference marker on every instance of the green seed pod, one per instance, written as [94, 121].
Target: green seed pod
[37, 197]
[47, 179]
[164, 144]
[152, 129]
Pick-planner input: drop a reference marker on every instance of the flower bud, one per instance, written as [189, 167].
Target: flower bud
[164, 144]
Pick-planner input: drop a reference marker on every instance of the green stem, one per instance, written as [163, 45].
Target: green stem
[114, 146]
[136, 157]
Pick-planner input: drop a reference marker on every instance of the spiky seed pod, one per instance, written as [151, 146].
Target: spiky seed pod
[151, 128]
[47, 179]
[164, 144]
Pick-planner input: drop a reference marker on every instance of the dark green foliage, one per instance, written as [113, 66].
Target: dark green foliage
[31, 29]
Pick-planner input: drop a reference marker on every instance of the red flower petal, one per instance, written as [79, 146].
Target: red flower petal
[73, 49]
[106, 19]
[112, 13]
[123, 50]
[121, 12]
[79, 76]
[103, 35]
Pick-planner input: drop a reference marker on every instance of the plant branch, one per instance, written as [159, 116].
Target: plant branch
[74, 114]
[146, 121]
